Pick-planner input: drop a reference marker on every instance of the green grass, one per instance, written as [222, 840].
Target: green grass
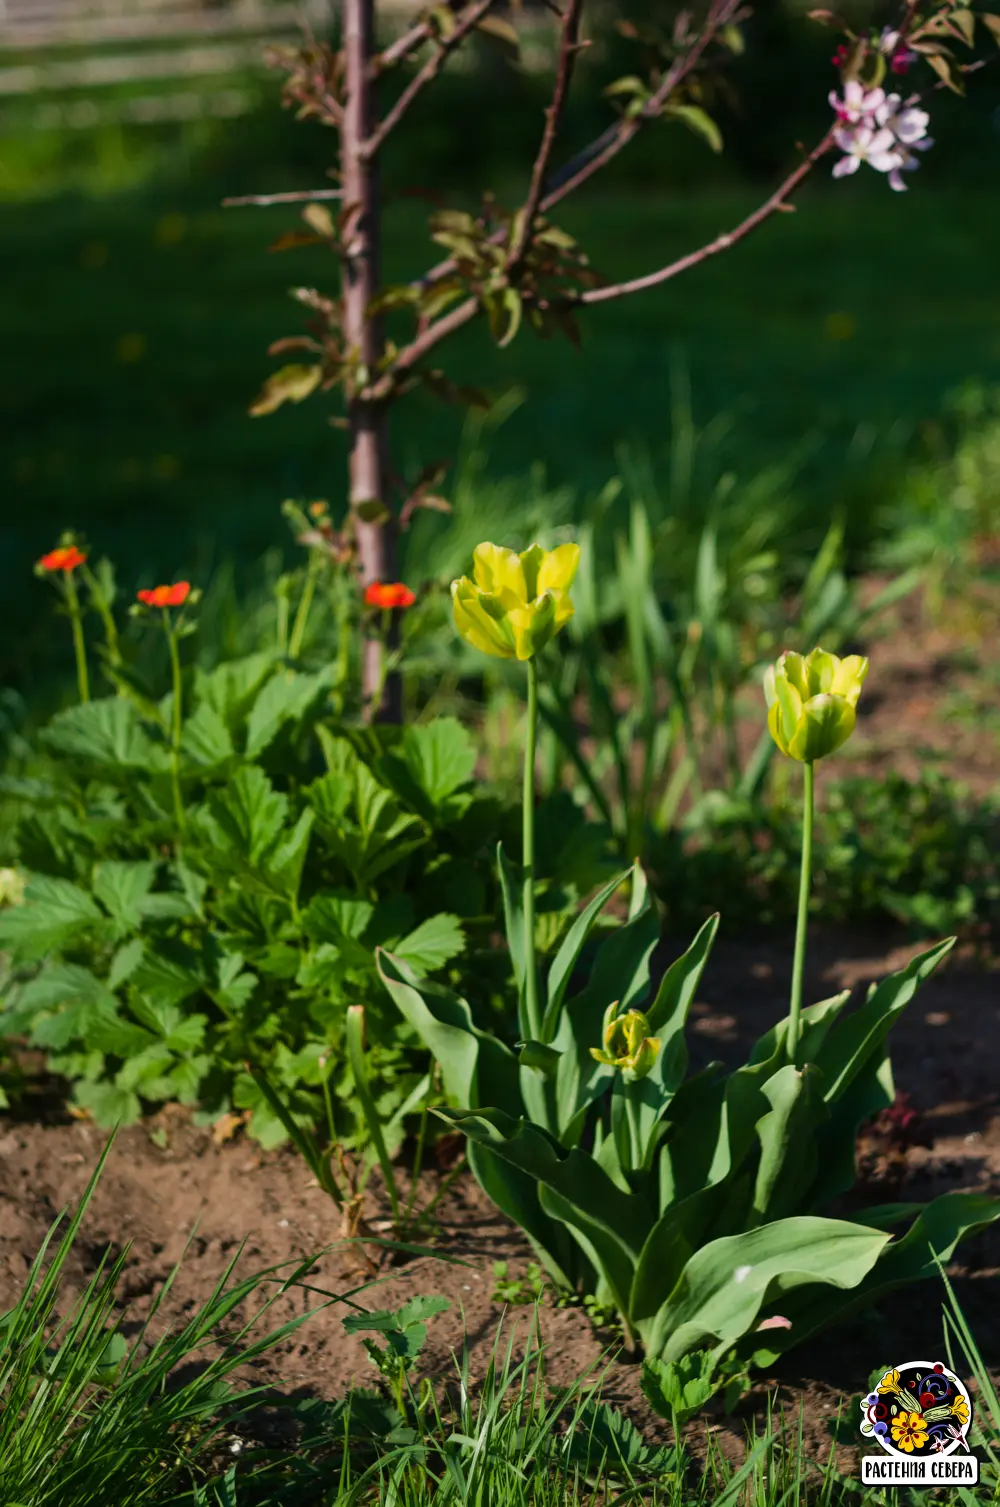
[156, 459]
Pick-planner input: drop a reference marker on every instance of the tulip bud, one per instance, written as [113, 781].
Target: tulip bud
[627, 1043]
[515, 603]
[811, 701]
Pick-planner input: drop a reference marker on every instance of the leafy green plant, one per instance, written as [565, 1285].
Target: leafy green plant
[404, 1332]
[517, 1291]
[668, 641]
[679, 1389]
[201, 879]
[921, 852]
[694, 1205]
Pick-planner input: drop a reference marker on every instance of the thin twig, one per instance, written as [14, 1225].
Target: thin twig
[763, 212]
[569, 46]
[428, 73]
[618, 135]
[425, 342]
[410, 40]
[299, 196]
[606, 146]
[407, 43]
[418, 348]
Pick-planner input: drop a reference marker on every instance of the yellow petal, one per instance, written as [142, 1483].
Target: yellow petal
[564, 607]
[775, 727]
[820, 668]
[476, 625]
[850, 677]
[792, 667]
[531, 560]
[770, 694]
[499, 571]
[789, 708]
[558, 569]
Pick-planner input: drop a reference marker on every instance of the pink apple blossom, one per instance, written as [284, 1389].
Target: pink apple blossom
[859, 144]
[880, 129]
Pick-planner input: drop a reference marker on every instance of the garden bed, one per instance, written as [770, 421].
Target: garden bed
[168, 1183]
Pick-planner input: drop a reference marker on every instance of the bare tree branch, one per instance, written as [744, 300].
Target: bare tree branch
[468, 19]
[421, 346]
[569, 46]
[298, 196]
[776, 202]
[606, 146]
[410, 40]
[618, 135]
[425, 342]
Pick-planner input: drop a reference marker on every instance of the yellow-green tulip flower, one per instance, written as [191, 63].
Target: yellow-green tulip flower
[811, 701]
[627, 1042]
[515, 603]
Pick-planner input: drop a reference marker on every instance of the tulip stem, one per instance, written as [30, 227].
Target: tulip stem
[528, 904]
[79, 647]
[805, 881]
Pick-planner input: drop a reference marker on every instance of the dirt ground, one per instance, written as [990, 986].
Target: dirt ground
[185, 1189]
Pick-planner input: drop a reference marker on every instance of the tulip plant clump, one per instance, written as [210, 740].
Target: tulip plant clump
[695, 1205]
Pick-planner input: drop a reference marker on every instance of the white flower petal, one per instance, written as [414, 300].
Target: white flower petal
[881, 141]
[846, 166]
[886, 162]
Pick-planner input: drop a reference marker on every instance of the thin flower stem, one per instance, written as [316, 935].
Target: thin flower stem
[282, 605]
[805, 880]
[530, 968]
[79, 647]
[176, 715]
[376, 700]
[305, 605]
[99, 602]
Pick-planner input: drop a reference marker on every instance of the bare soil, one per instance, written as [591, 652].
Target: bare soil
[186, 1191]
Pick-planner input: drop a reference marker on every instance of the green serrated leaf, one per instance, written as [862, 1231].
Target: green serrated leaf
[107, 732]
[285, 698]
[108, 1105]
[206, 740]
[122, 889]
[434, 942]
[53, 912]
[441, 757]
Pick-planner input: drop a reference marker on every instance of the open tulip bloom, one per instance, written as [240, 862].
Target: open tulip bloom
[511, 608]
[515, 603]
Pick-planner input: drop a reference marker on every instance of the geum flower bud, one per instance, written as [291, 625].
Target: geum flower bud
[811, 701]
[515, 603]
[628, 1045]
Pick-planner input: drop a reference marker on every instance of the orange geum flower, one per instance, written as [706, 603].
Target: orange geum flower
[166, 596]
[389, 594]
[66, 558]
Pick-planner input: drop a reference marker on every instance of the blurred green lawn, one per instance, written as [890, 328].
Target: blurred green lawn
[136, 330]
